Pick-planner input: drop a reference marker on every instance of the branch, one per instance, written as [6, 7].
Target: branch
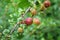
[27, 10]
[19, 22]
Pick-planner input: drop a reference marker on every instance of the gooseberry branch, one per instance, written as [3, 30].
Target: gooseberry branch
[29, 21]
[16, 25]
[19, 22]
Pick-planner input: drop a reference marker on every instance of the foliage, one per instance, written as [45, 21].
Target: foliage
[10, 14]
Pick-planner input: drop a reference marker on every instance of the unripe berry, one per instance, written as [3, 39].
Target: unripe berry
[20, 30]
[33, 11]
[47, 3]
[28, 21]
[42, 7]
[36, 21]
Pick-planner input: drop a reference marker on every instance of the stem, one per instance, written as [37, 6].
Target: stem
[39, 2]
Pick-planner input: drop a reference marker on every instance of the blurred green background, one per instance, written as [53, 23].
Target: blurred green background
[10, 12]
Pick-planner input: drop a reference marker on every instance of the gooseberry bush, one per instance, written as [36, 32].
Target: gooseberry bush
[29, 19]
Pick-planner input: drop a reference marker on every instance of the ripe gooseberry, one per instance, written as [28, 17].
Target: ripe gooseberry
[47, 3]
[28, 21]
[33, 11]
[36, 21]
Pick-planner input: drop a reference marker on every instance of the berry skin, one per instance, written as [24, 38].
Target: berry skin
[28, 21]
[20, 30]
[36, 21]
[47, 3]
[33, 11]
